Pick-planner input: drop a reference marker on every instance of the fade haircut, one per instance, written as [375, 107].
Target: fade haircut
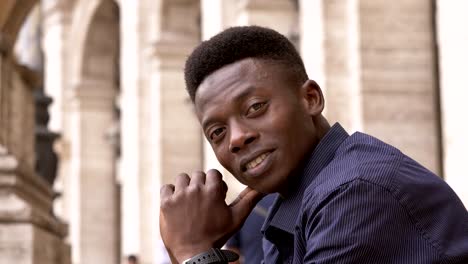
[235, 44]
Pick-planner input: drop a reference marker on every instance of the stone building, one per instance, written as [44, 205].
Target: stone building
[121, 123]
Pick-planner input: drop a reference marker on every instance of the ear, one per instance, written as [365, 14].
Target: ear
[312, 97]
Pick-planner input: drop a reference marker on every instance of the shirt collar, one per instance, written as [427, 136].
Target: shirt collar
[284, 211]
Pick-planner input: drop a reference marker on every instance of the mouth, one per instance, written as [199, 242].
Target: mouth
[256, 162]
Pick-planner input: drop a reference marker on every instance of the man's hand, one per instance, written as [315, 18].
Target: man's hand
[194, 216]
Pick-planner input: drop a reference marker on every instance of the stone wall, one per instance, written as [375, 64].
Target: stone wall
[453, 62]
[29, 232]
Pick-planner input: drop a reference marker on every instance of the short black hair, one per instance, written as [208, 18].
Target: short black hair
[237, 43]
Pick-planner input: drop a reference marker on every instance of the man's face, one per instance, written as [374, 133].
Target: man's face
[257, 121]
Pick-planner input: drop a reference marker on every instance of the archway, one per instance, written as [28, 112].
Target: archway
[91, 116]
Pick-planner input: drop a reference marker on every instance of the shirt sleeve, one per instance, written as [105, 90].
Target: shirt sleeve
[362, 223]
[234, 241]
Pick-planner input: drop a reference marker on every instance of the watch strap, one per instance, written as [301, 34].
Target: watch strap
[213, 256]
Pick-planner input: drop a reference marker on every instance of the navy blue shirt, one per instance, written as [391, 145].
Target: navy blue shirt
[249, 238]
[359, 200]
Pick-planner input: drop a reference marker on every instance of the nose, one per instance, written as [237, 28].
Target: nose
[241, 136]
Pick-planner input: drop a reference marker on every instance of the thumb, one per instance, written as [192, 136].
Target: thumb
[244, 204]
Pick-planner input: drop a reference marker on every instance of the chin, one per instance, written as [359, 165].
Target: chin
[267, 188]
[260, 189]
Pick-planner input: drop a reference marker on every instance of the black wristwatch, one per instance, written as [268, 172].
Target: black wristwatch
[213, 256]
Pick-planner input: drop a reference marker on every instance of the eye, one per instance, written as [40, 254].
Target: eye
[217, 133]
[255, 107]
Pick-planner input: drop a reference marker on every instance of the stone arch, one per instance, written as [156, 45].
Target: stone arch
[171, 26]
[174, 31]
[81, 30]
[94, 84]
[101, 46]
[12, 16]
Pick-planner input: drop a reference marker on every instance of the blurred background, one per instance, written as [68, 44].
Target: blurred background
[94, 116]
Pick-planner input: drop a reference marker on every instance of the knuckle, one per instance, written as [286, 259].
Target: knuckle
[183, 175]
[166, 188]
[169, 185]
[214, 176]
[166, 204]
[213, 188]
[217, 188]
[214, 172]
[194, 189]
[182, 178]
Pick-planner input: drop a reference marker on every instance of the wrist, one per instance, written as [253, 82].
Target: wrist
[188, 253]
[213, 256]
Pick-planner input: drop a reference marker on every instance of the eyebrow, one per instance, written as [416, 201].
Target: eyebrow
[238, 97]
[245, 93]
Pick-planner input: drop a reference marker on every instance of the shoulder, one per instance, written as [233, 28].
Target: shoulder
[362, 222]
[360, 157]
[370, 178]
[355, 192]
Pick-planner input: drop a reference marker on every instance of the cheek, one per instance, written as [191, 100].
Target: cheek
[229, 163]
[283, 122]
[224, 157]
[288, 128]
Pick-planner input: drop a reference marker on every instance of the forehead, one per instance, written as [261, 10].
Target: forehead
[224, 92]
[232, 80]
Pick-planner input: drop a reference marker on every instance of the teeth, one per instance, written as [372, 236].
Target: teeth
[254, 163]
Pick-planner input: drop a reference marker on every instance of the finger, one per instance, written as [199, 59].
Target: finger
[182, 181]
[225, 187]
[198, 177]
[166, 191]
[244, 204]
[214, 177]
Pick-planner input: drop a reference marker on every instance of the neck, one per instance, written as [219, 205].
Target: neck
[322, 127]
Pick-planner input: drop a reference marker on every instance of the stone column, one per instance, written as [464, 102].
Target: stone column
[29, 232]
[176, 140]
[279, 15]
[179, 144]
[55, 25]
[218, 15]
[92, 173]
[341, 62]
[134, 109]
[398, 77]
[311, 24]
[5, 47]
[453, 62]
[379, 71]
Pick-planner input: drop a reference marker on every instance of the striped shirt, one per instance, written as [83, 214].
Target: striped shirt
[359, 200]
